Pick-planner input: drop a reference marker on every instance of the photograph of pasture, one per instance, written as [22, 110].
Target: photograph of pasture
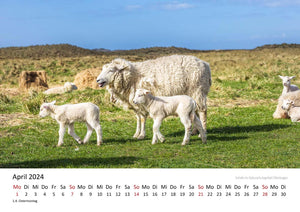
[241, 130]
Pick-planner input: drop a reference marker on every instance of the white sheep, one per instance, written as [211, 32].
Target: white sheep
[68, 87]
[292, 110]
[279, 112]
[287, 86]
[164, 76]
[162, 107]
[67, 114]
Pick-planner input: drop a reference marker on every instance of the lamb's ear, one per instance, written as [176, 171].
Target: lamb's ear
[52, 103]
[281, 77]
[291, 77]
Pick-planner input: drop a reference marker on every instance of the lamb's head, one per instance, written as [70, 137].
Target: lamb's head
[287, 104]
[286, 80]
[45, 109]
[140, 96]
[110, 70]
[68, 86]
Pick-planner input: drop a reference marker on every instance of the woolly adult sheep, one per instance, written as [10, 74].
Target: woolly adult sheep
[164, 76]
[293, 96]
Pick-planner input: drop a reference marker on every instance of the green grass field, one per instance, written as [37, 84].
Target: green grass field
[246, 137]
[241, 130]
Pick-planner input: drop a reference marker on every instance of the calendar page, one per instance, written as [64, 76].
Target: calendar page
[150, 189]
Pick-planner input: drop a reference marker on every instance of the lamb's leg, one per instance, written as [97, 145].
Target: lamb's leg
[138, 126]
[143, 126]
[61, 132]
[186, 121]
[88, 133]
[98, 130]
[198, 125]
[156, 132]
[73, 134]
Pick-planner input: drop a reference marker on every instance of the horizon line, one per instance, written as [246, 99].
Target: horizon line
[114, 50]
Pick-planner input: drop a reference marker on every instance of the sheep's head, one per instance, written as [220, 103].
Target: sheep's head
[45, 109]
[140, 96]
[109, 71]
[286, 80]
[287, 104]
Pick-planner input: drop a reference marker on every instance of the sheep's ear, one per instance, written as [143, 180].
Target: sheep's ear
[122, 69]
[291, 77]
[281, 77]
[46, 106]
[120, 64]
[52, 103]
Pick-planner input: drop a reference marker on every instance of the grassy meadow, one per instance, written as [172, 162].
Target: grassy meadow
[241, 130]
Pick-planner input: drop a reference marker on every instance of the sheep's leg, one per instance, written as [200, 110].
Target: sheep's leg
[201, 109]
[88, 133]
[72, 133]
[156, 132]
[198, 125]
[138, 126]
[61, 132]
[98, 130]
[143, 125]
[203, 118]
[186, 121]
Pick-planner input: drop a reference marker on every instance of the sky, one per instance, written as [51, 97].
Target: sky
[133, 24]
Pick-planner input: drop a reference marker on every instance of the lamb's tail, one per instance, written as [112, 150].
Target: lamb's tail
[192, 113]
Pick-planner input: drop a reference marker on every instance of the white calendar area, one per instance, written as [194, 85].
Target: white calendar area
[150, 189]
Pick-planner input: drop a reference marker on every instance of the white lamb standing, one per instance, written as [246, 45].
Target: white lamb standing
[164, 76]
[67, 114]
[292, 110]
[162, 107]
[68, 87]
[287, 87]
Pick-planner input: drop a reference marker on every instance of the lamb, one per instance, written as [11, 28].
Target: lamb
[68, 87]
[162, 107]
[67, 114]
[287, 87]
[292, 110]
[164, 76]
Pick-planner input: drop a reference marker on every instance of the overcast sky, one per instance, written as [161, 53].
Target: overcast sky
[131, 24]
